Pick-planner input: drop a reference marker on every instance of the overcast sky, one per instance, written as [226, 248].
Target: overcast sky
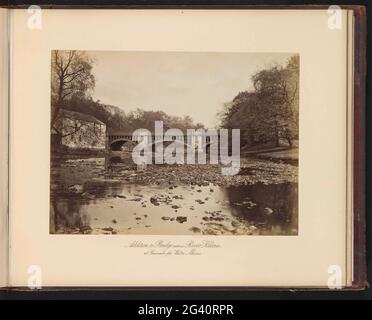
[195, 84]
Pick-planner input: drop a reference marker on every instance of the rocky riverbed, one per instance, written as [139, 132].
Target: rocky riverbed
[178, 199]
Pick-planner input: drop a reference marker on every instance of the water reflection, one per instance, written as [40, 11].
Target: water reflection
[68, 216]
[114, 207]
[271, 207]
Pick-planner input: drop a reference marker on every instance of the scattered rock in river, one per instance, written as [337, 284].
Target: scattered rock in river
[157, 199]
[76, 188]
[165, 218]
[108, 229]
[235, 224]
[213, 218]
[195, 229]
[86, 229]
[178, 197]
[88, 195]
[268, 211]
[248, 204]
[181, 219]
[210, 232]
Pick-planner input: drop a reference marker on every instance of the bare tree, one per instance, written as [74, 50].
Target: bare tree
[71, 75]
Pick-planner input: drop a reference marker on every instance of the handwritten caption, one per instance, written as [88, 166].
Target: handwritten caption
[167, 248]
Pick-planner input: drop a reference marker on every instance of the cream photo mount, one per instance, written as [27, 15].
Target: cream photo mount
[69, 260]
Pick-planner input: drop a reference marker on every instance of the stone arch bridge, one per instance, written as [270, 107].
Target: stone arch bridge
[120, 144]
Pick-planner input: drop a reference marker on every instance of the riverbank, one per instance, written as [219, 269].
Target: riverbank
[252, 171]
[289, 155]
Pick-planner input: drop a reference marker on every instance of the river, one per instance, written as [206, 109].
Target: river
[87, 199]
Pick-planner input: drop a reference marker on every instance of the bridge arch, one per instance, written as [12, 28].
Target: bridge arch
[119, 143]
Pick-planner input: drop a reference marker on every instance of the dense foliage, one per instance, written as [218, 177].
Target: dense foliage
[269, 112]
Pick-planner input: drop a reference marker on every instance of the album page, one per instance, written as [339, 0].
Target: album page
[178, 148]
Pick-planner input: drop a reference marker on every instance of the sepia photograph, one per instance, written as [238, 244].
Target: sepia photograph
[174, 143]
